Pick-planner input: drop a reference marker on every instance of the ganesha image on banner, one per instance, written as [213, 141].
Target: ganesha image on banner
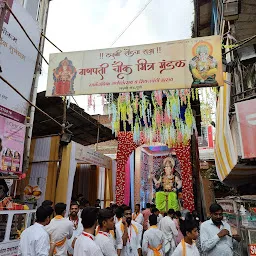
[168, 185]
[203, 65]
[64, 76]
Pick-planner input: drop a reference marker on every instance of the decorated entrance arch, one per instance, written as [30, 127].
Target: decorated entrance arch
[156, 86]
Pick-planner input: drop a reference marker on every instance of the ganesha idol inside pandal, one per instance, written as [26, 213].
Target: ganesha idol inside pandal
[168, 184]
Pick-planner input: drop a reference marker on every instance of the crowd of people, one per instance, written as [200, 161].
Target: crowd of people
[116, 230]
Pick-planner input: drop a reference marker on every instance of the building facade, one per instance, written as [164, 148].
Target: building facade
[235, 22]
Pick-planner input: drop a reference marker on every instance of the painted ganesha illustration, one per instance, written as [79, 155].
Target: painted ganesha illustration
[203, 66]
[64, 76]
[168, 185]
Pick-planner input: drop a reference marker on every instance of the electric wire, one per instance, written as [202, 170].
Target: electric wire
[24, 30]
[136, 16]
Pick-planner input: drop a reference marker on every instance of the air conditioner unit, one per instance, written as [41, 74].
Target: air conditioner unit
[230, 9]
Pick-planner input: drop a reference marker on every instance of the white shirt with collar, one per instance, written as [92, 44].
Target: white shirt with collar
[138, 217]
[211, 244]
[77, 231]
[34, 241]
[191, 250]
[86, 246]
[60, 229]
[159, 217]
[106, 243]
[168, 227]
[133, 241]
[152, 237]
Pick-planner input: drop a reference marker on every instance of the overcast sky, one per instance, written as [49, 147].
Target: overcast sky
[94, 24]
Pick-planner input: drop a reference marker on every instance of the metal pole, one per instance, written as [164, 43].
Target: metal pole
[98, 134]
[2, 14]
[64, 115]
[34, 92]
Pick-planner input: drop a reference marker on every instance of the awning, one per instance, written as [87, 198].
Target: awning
[225, 152]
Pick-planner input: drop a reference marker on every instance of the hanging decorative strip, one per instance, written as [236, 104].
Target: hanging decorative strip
[151, 116]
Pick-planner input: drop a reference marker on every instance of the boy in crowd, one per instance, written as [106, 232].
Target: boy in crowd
[187, 246]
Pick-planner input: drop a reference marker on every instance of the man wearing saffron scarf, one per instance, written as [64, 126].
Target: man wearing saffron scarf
[167, 226]
[104, 238]
[85, 245]
[77, 226]
[128, 235]
[35, 240]
[137, 215]
[60, 229]
[153, 239]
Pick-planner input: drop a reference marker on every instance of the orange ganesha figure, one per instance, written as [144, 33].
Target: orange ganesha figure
[64, 76]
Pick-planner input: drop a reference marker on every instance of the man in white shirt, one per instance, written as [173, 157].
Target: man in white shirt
[60, 229]
[77, 226]
[215, 235]
[34, 241]
[158, 215]
[137, 215]
[187, 246]
[170, 231]
[104, 239]
[153, 239]
[119, 213]
[85, 244]
[128, 235]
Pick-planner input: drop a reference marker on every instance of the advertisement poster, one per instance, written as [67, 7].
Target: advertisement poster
[17, 60]
[12, 135]
[187, 63]
[246, 118]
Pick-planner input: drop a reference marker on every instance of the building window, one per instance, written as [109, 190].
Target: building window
[3, 224]
[32, 7]
[18, 225]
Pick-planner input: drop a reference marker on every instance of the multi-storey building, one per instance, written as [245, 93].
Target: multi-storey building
[235, 149]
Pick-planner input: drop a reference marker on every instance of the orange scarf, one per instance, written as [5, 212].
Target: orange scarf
[58, 217]
[134, 216]
[110, 232]
[132, 225]
[63, 241]
[58, 244]
[155, 249]
[183, 244]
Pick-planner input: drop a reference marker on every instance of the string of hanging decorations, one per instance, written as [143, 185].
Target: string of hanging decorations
[157, 116]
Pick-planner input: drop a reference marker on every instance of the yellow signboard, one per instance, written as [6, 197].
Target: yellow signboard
[188, 63]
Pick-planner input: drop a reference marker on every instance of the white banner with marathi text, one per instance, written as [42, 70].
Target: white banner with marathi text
[17, 59]
[193, 62]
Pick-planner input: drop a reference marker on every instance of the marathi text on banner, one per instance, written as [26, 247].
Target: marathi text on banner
[171, 65]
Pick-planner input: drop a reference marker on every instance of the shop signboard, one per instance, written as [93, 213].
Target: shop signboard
[12, 136]
[17, 60]
[195, 62]
[252, 249]
[246, 118]
[87, 155]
